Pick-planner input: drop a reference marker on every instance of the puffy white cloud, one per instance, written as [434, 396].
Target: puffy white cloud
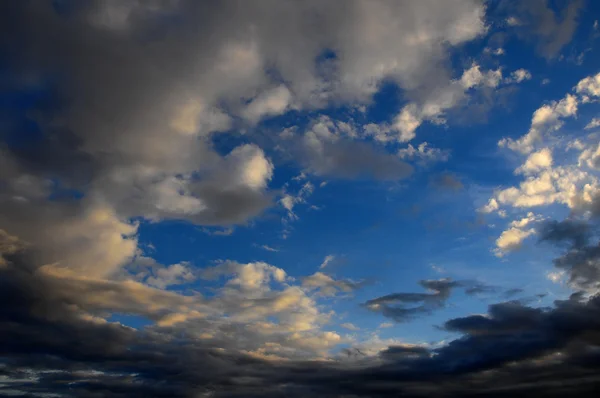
[407, 122]
[512, 238]
[547, 118]
[474, 77]
[536, 161]
[590, 86]
[590, 157]
[251, 166]
[518, 76]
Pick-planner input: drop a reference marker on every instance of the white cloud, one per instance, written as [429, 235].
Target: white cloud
[328, 259]
[270, 103]
[537, 161]
[556, 277]
[547, 118]
[518, 76]
[407, 122]
[513, 21]
[350, 326]
[511, 240]
[269, 248]
[474, 77]
[424, 153]
[595, 122]
[590, 157]
[590, 86]
[253, 169]
[172, 275]
[326, 285]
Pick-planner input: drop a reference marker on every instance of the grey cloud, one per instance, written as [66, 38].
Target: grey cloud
[448, 181]
[403, 307]
[141, 86]
[357, 160]
[574, 232]
[551, 29]
[47, 347]
[397, 306]
[582, 258]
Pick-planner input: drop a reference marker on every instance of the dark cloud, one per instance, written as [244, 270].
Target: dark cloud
[581, 261]
[513, 292]
[447, 181]
[403, 307]
[551, 29]
[573, 232]
[47, 346]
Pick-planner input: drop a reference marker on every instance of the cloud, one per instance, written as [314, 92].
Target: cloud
[447, 181]
[174, 274]
[580, 262]
[590, 157]
[546, 119]
[537, 161]
[518, 76]
[270, 103]
[326, 285]
[424, 154]
[500, 350]
[269, 248]
[595, 122]
[328, 259]
[403, 307]
[551, 30]
[350, 326]
[351, 160]
[512, 238]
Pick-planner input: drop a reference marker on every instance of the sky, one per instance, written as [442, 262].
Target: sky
[280, 198]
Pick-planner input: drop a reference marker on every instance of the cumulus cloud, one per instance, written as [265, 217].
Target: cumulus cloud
[546, 119]
[424, 154]
[537, 161]
[512, 238]
[518, 76]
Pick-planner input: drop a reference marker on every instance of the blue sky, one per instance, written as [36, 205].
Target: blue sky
[287, 181]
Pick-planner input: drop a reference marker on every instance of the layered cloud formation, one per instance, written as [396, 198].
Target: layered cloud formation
[123, 121]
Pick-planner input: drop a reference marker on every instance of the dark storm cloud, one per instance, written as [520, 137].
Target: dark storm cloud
[48, 347]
